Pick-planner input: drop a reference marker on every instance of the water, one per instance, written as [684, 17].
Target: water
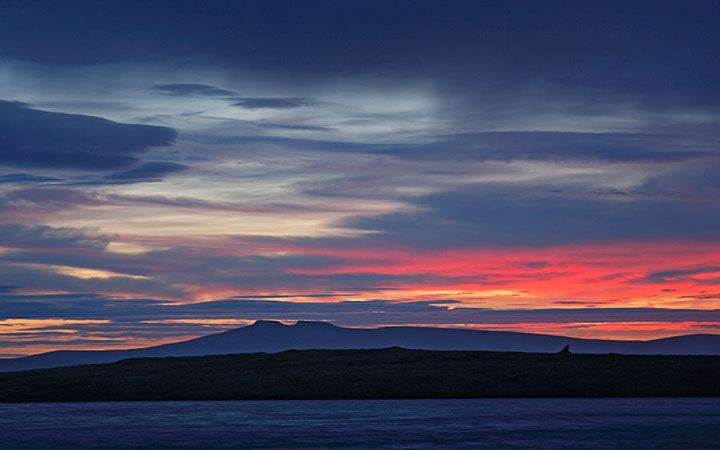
[489, 423]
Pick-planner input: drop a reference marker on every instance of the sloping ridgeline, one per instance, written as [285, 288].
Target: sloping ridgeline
[358, 374]
[272, 337]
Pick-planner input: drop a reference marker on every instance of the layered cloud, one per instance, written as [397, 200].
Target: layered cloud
[190, 89]
[556, 146]
[492, 215]
[148, 171]
[167, 172]
[35, 138]
[101, 322]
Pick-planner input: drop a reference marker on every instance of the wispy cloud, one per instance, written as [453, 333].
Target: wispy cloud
[271, 103]
[189, 89]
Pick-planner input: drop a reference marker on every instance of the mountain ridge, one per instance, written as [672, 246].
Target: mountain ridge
[270, 336]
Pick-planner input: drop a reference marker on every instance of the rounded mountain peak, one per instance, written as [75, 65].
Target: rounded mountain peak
[267, 323]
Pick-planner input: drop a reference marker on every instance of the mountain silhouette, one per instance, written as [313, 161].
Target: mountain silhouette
[272, 337]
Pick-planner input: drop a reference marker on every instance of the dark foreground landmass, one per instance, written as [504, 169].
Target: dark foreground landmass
[360, 374]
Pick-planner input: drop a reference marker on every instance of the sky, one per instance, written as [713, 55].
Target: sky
[170, 169]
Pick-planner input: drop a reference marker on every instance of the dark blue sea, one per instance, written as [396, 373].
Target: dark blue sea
[677, 423]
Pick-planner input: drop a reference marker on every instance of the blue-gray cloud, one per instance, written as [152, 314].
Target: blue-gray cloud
[17, 178]
[35, 138]
[166, 271]
[271, 102]
[188, 89]
[204, 90]
[290, 126]
[608, 47]
[366, 313]
[666, 276]
[504, 215]
[151, 171]
[45, 237]
[513, 145]
[554, 146]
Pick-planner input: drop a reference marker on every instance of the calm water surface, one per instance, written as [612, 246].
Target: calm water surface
[494, 423]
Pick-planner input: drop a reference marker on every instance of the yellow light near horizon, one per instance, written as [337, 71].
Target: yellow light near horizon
[202, 321]
[15, 325]
[83, 273]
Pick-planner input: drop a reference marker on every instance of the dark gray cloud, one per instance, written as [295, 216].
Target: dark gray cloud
[289, 126]
[150, 171]
[47, 198]
[666, 276]
[203, 90]
[550, 145]
[34, 138]
[503, 215]
[166, 271]
[366, 313]
[513, 145]
[187, 89]
[609, 47]
[272, 297]
[697, 181]
[39, 274]
[270, 102]
[293, 143]
[703, 296]
[45, 237]
[26, 178]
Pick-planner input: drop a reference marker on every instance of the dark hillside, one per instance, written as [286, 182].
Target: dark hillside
[273, 337]
[384, 373]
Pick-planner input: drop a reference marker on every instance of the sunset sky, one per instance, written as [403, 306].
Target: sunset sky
[170, 169]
